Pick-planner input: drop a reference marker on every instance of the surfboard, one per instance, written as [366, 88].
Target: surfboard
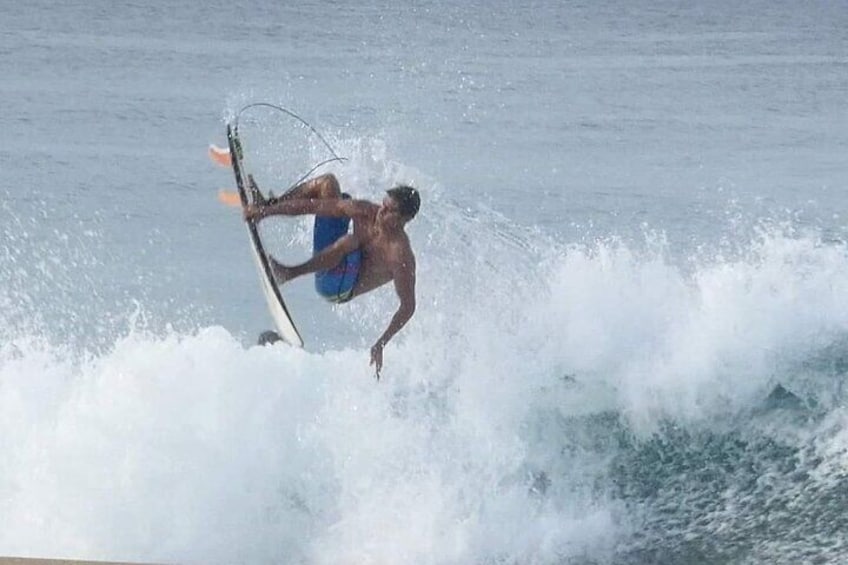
[249, 194]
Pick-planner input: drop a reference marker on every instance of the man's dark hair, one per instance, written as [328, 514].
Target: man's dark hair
[407, 199]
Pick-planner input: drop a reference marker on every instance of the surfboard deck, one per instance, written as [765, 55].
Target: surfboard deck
[249, 194]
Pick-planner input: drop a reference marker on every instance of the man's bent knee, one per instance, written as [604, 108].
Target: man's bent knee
[328, 186]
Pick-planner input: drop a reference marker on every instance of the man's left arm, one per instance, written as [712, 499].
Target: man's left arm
[405, 288]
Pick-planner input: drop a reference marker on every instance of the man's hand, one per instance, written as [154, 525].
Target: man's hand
[377, 357]
[252, 212]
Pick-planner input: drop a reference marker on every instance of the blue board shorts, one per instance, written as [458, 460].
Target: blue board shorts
[336, 284]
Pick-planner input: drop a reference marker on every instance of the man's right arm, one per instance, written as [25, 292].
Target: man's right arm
[404, 277]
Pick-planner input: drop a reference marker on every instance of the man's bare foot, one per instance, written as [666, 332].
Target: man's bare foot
[282, 273]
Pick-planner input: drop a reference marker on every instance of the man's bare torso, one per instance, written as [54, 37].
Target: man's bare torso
[383, 252]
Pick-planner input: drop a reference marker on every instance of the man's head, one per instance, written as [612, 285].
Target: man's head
[407, 200]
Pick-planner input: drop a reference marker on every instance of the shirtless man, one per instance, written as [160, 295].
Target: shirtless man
[345, 264]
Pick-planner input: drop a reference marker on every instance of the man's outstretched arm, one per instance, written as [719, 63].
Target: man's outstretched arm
[405, 288]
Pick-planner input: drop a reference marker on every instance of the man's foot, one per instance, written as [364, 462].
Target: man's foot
[282, 273]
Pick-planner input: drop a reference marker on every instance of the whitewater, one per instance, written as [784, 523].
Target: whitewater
[631, 337]
[611, 408]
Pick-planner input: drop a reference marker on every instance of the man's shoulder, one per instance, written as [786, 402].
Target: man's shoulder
[362, 207]
[402, 250]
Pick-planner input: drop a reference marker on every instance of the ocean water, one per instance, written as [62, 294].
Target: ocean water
[631, 340]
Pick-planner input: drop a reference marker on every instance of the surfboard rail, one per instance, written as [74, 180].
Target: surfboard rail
[270, 289]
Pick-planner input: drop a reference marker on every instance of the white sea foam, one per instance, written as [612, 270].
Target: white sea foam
[191, 447]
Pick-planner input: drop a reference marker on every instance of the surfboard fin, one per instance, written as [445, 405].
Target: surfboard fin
[220, 156]
[229, 198]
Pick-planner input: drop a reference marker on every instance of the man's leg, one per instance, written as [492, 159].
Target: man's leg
[327, 258]
[325, 186]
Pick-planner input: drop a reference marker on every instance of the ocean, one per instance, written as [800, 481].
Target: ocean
[631, 337]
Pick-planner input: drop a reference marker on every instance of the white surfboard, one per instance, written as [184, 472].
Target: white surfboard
[270, 289]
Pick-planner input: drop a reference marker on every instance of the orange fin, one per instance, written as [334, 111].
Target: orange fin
[220, 156]
[229, 198]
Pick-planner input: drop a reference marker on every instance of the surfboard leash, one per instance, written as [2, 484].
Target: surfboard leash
[291, 114]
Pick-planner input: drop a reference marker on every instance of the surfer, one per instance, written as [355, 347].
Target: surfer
[347, 265]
